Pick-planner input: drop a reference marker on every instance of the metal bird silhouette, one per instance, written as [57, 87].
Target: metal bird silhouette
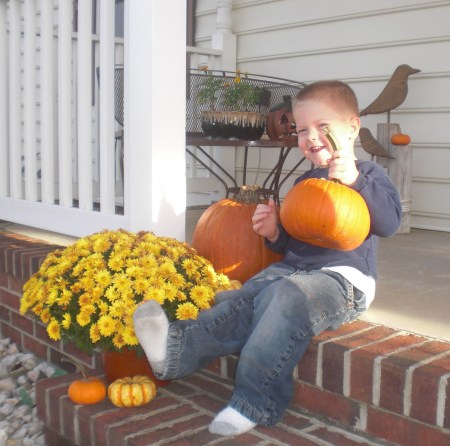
[393, 94]
[371, 145]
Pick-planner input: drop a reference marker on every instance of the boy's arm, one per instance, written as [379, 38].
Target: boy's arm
[381, 197]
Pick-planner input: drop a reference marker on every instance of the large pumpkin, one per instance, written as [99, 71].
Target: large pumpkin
[224, 235]
[325, 213]
[132, 391]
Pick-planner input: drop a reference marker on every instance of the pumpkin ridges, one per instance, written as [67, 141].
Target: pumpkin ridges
[325, 214]
[224, 235]
[132, 391]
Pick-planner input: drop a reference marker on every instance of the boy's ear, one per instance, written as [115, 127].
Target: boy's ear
[355, 124]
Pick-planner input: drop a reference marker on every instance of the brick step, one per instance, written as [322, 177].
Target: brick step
[385, 383]
[179, 415]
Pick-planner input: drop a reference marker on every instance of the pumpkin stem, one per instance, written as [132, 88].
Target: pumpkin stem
[331, 138]
[249, 194]
[334, 144]
[78, 365]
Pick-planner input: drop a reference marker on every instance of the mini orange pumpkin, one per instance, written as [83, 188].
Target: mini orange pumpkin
[89, 390]
[224, 235]
[400, 139]
[132, 391]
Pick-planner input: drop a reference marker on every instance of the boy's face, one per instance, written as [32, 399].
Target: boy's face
[311, 118]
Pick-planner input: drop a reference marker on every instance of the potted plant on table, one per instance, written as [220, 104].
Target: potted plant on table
[87, 292]
[233, 107]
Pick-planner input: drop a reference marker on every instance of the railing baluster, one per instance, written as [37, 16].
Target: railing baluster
[84, 113]
[106, 125]
[65, 141]
[15, 148]
[29, 71]
[3, 102]
[47, 95]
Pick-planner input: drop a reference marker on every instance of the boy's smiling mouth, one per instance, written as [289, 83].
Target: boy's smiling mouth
[316, 149]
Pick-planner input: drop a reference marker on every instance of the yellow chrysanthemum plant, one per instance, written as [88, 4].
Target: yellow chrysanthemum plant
[87, 293]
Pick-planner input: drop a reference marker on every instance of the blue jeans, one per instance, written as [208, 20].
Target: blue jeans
[270, 321]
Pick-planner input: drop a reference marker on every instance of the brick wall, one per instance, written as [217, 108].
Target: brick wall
[388, 383]
[20, 257]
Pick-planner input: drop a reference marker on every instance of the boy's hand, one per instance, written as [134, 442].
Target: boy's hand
[265, 221]
[343, 168]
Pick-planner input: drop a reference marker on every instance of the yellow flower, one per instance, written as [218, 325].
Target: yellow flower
[106, 325]
[83, 319]
[94, 333]
[66, 297]
[101, 244]
[67, 320]
[103, 278]
[53, 330]
[155, 294]
[118, 340]
[115, 263]
[122, 282]
[187, 311]
[202, 296]
[140, 285]
[45, 315]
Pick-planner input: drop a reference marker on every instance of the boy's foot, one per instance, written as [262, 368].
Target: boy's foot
[229, 423]
[152, 327]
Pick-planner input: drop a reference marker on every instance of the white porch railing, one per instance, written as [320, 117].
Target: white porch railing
[57, 160]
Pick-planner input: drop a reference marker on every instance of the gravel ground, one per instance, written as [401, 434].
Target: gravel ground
[19, 425]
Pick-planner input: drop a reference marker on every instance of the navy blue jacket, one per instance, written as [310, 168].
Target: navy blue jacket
[385, 210]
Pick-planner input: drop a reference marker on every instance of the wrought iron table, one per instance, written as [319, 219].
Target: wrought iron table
[273, 182]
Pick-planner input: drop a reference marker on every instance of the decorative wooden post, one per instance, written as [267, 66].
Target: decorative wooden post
[399, 170]
[223, 38]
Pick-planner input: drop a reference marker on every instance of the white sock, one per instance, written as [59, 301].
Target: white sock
[230, 422]
[152, 327]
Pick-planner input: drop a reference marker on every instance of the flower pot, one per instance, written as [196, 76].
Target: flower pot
[127, 363]
[233, 124]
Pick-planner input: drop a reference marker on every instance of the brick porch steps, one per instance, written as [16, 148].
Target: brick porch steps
[389, 385]
[179, 415]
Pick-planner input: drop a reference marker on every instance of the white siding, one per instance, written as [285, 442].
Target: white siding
[361, 43]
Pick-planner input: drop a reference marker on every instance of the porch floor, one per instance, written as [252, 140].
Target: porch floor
[412, 287]
[413, 281]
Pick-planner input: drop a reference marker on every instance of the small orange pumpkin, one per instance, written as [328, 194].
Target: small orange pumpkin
[89, 390]
[132, 391]
[400, 139]
[224, 235]
[325, 213]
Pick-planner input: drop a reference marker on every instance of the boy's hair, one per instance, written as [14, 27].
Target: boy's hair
[335, 93]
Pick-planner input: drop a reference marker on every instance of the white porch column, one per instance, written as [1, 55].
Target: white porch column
[155, 115]
[224, 39]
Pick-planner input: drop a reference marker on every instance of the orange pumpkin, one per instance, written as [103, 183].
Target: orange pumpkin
[88, 390]
[400, 139]
[325, 213]
[132, 391]
[224, 235]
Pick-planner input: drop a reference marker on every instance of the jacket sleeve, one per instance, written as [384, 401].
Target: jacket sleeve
[381, 197]
[279, 245]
